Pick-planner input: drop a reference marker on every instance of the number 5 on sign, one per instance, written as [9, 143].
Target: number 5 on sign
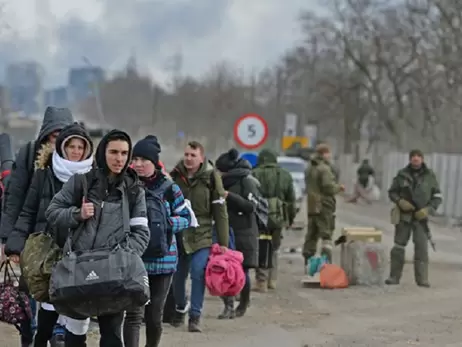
[251, 131]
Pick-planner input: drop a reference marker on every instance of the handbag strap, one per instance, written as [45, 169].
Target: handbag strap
[82, 183]
[8, 271]
[126, 215]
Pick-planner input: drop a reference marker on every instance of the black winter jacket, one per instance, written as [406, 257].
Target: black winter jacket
[32, 217]
[241, 212]
[16, 191]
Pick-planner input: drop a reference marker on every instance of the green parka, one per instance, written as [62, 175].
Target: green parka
[207, 195]
[418, 187]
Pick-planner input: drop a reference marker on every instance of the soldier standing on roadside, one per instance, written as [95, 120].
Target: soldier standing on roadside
[322, 187]
[415, 191]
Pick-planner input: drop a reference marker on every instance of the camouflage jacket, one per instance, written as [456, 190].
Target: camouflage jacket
[322, 187]
[276, 182]
[419, 187]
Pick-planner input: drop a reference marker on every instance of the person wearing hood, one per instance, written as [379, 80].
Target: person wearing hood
[321, 203]
[53, 167]
[172, 209]
[202, 186]
[110, 184]
[276, 185]
[241, 187]
[20, 178]
[364, 173]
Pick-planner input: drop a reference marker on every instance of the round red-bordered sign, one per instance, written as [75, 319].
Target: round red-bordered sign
[251, 131]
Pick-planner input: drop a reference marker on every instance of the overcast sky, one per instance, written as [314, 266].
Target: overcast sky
[57, 33]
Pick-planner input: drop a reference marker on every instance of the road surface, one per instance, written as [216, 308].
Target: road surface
[404, 315]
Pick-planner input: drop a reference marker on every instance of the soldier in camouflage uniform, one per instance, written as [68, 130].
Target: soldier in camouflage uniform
[322, 188]
[415, 191]
[275, 183]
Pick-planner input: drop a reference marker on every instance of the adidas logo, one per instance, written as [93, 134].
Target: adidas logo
[92, 276]
[146, 281]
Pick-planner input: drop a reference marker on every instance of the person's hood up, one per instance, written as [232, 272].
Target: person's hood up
[69, 132]
[54, 119]
[241, 169]
[267, 156]
[100, 155]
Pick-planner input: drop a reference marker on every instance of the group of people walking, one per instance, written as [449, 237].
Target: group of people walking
[204, 203]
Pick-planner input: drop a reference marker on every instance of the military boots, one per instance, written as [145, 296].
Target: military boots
[421, 274]
[396, 266]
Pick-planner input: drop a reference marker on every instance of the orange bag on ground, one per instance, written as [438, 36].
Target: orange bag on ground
[333, 276]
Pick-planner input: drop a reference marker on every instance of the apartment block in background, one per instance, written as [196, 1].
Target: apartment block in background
[82, 83]
[24, 81]
[57, 97]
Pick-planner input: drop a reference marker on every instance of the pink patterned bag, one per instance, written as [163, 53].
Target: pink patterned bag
[14, 303]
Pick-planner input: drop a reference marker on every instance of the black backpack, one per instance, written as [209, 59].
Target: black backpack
[158, 217]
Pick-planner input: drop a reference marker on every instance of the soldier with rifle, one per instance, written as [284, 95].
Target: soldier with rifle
[415, 192]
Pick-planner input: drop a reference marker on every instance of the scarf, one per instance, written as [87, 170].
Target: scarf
[64, 169]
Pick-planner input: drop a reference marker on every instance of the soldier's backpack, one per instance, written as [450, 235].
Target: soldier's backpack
[158, 219]
[275, 208]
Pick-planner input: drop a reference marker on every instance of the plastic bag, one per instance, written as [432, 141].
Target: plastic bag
[333, 277]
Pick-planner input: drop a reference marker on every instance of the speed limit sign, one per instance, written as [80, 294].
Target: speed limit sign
[251, 131]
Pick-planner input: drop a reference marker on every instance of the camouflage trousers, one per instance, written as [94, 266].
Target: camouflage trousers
[403, 233]
[322, 227]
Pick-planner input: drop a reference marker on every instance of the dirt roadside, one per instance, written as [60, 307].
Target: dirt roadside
[294, 316]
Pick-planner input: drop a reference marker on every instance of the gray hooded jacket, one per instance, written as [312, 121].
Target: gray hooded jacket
[21, 175]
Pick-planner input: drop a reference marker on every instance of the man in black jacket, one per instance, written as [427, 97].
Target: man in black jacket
[54, 120]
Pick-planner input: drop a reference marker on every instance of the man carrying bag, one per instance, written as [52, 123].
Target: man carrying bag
[101, 273]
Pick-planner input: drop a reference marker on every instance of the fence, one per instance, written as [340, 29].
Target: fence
[447, 167]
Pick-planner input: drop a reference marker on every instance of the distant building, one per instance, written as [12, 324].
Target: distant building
[24, 82]
[57, 97]
[82, 83]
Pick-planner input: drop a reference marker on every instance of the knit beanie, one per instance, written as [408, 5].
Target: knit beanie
[228, 160]
[416, 153]
[148, 148]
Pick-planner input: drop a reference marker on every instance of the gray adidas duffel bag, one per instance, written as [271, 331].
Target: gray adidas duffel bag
[99, 282]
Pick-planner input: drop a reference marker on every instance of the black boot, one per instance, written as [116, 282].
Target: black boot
[421, 273]
[228, 311]
[396, 265]
[245, 301]
[178, 318]
[75, 340]
[194, 325]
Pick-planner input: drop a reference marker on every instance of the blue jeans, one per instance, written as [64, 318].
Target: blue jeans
[196, 264]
